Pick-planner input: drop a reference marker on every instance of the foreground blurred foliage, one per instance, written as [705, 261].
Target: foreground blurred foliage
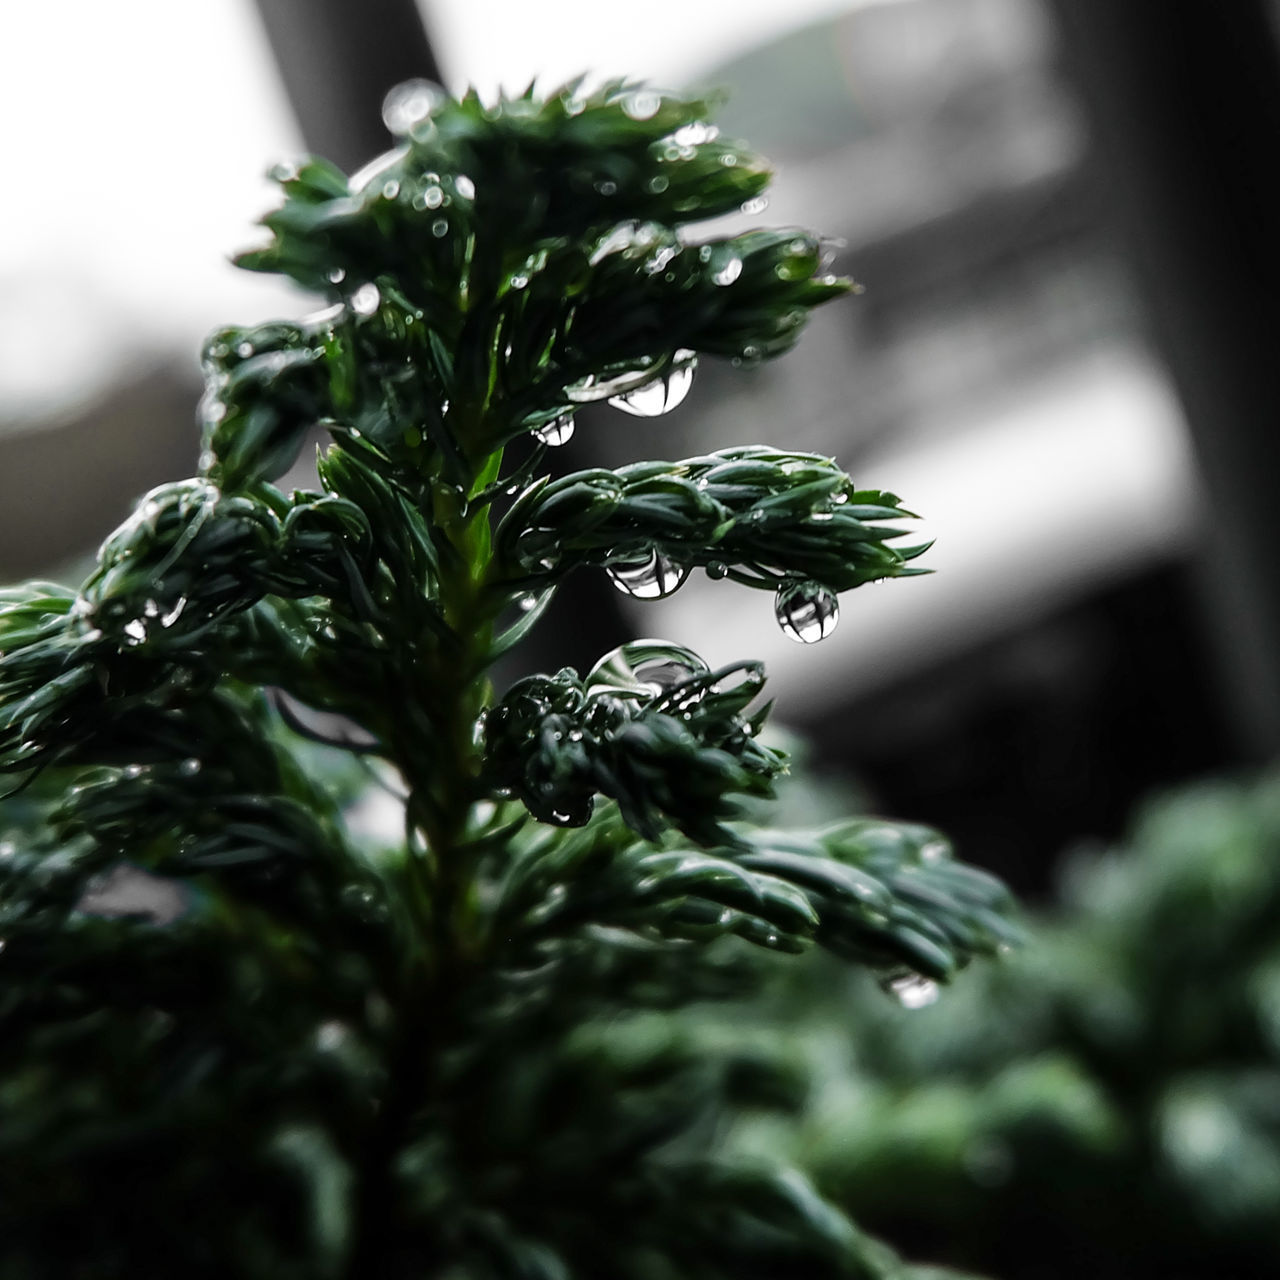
[1105, 1103]
[244, 1032]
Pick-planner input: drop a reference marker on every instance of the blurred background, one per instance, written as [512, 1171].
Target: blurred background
[1060, 357]
[1063, 358]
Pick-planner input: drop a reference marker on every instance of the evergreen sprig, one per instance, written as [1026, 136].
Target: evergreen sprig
[327, 1055]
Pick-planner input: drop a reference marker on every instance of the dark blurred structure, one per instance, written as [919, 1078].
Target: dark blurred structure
[64, 484]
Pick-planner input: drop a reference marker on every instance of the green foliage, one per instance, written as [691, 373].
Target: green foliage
[238, 1037]
[1106, 1103]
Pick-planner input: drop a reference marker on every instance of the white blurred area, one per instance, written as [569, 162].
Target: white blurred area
[136, 137]
[504, 44]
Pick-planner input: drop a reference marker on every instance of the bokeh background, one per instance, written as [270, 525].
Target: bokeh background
[1063, 358]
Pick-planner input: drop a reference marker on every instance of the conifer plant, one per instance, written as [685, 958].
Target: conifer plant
[455, 1054]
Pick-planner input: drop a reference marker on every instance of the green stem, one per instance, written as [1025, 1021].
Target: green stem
[442, 780]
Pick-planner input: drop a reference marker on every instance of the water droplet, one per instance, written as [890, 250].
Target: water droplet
[758, 205]
[433, 197]
[440, 227]
[607, 187]
[806, 612]
[575, 735]
[245, 350]
[7, 849]
[329, 1036]
[658, 185]
[829, 247]
[410, 103]
[664, 393]
[649, 579]
[527, 602]
[642, 105]
[134, 771]
[337, 275]
[690, 135]
[136, 631]
[519, 282]
[934, 851]
[464, 187]
[728, 159]
[821, 517]
[660, 259]
[365, 300]
[189, 767]
[729, 272]
[910, 990]
[717, 569]
[556, 432]
[390, 189]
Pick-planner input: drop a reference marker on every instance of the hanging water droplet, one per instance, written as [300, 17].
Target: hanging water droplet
[607, 187]
[464, 187]
[527, 602]
[758, 205]
[433, 197]
[365, 300]
[910, 990]
[244, 350]
[658, 184]
[663, 394]
[519, 281]
[410, 103]
[189, 767]
[337, 275]
[556, 432]
[829, 247]
[440, 228]
[649, 579]
[717, 569]
[390, 189]
[729, 272]
[806, 612]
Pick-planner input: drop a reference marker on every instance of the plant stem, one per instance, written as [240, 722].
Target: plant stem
[441, 776]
